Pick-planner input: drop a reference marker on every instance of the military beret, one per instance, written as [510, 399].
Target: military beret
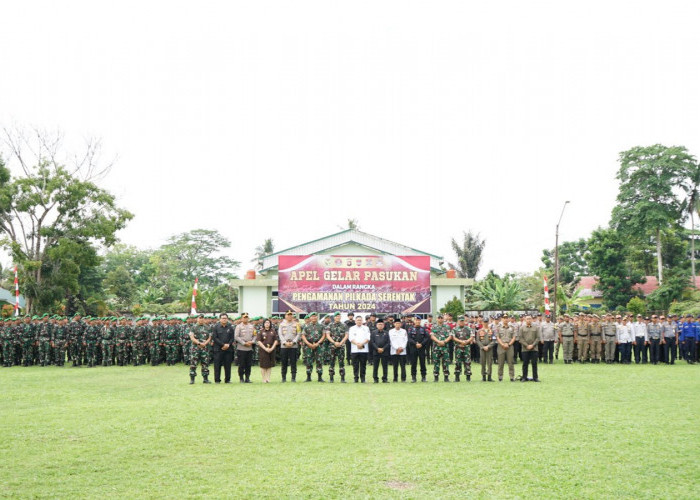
[312, 314]
[460, 318]
[337, 313]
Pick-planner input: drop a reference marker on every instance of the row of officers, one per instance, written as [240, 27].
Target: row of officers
[51, 340]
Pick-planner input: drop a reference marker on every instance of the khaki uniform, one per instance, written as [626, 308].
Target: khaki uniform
[567, 340]
[609, 337]
[485, 339]
[596, 339]
[505, 334]
[583, 340]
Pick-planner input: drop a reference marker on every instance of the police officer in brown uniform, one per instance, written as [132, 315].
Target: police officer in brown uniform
[486, 342]
[505, 336]
[596, 338]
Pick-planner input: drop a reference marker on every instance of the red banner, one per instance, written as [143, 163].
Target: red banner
[357, 283]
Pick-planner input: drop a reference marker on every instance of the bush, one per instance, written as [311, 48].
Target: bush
[637, 306]
[454, 308]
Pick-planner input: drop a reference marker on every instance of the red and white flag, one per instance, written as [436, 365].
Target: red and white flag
[16, 293]
[193, 309]
[546, 297]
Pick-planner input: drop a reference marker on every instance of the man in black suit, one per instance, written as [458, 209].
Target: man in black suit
[222, 337]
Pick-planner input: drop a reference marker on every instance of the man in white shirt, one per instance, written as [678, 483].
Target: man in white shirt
[624, 341]
[359, 339]
[641, 339]
[399, 339]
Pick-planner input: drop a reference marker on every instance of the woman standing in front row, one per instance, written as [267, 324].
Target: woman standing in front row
[267, 341]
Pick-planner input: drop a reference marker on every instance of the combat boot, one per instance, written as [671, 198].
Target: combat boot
[413, 380]
[437, 378]
[422, 379]
[483, 378]
[469, 378]
[342, 379]
[456, 377]
[206, 379]
[490, 379]
[308, 377]
[320, 378]
[191, 379]
[447, 378]
[284, 379]
[330, 379]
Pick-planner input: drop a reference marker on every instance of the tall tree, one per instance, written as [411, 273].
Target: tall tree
[648, 199]
[53, 199]
[469, 254]
[572, 261]
[267, 248]
[607, 258]
[692, 207]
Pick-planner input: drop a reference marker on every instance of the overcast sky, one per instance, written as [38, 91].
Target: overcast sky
[418, 119]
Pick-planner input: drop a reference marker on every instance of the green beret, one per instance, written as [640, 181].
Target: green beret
[336, 314]
[460, 318]
[35, 317]
[312, 314]
[44, 315]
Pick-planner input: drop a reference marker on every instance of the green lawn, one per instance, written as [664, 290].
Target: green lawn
[586, 431]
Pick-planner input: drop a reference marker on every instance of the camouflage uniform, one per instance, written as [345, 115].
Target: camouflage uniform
[8, 347]
[199, 354]
[107, 344]
[336, 331]
[44, 338]
[139, 347]
[60, 342]
[121, 339]
[441, 354]
[91, 339]
[75, 339]
[463, 354]
[27, 338]
[313, 333]
[172, 340]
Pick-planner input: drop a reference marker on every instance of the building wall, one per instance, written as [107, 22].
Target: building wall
[255, 300]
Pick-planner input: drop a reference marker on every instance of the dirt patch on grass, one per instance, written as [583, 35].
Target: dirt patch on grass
[400, 485]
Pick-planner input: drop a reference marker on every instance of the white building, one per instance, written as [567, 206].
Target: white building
[257, 294]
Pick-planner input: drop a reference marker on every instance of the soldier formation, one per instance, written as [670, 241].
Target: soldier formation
[377, 342]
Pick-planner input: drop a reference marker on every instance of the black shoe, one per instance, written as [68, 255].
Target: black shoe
[385, 381]
[500, 379]
[523, 380]
[413, 380]
[535, 380]
[330, 379]
[191, 379]
[308, 377]
[206, 380]
[376, 380]
[247, 381]
[294, 379]
[356, 380]
[342, 379]
[469, 378]
[320, 379]
[284, 379]
[456, 377]
[447, 378]
[422, 379]
[490, 379]
[512, 380]
[217, 381]
[363, 381]
[483, 378]
[437, 378]
[395, 381]
[227, 381]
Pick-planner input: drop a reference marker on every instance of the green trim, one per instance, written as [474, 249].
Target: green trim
[351, 241]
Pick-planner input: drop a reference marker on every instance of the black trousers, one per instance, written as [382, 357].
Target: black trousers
[415, 355]
[670, 350]
[655, 350]
[396, 361]
[529, 357]
[385, 367]
[289, 357]
[359, 365]
[640, 350]
[223, 358]
[245, 361]
[548, 351]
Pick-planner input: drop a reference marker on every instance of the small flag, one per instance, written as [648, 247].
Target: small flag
[546, 297]
[193, 309]
[16, 293]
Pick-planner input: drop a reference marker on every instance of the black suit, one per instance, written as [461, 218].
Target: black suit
[380, 340]
[222, 335]
[417, 335]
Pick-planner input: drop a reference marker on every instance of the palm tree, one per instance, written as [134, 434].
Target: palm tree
[468, 254]
[267, 248]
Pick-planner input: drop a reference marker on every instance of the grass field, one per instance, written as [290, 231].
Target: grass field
[586, 431]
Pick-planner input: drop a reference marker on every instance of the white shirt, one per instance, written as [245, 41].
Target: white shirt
[358, 334]
[624, 333]
[398, 338]
[639, 328]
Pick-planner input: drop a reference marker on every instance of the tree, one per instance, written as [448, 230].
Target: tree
[672, 290]
[120, 283]
[53, 201]
[469, 254]
[607, 258]
[196, 254]
[647, 202]
[636, 305]
[572, 261]
[692, 206]
[454, 308]
[267, 248]
[494, 293]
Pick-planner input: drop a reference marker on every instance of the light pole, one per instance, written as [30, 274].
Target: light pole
[556, 259]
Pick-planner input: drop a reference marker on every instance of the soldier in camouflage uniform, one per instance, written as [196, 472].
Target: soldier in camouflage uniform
[312, 336]
[8, 347]
[138, 343]
[200, 336]
[60, 341]
[108, 342]
[462, 336]
[121, 340]
[336, 335]
[44, 338]
[441, 335]
[155, 341]
[75, 340]
[172, 339]
[28, 340]
[91, 338]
